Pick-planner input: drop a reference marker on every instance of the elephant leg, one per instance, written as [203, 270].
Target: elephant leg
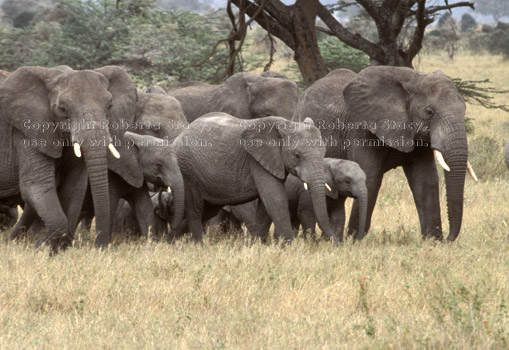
[194, 211]
[272, 193]
[373, 183]
[38, 189]
[71, 193]
[27, 218]
[337, 215]
[260, 226]
[306, 215]
[143, 210]
[422, 177]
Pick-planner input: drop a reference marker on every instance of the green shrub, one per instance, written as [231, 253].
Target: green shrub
[338, 55]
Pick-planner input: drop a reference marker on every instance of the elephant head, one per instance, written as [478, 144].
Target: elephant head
[346, 178]
[159, 115]
[283, 147]
[401, 106]
[249, 96]
[160, 167]
[59, 107]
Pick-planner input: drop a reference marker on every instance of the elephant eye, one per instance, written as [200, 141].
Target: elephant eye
[429, 111]
[110, 105]
[62, 109]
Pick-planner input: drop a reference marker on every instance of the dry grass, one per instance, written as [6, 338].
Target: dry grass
[391, 291]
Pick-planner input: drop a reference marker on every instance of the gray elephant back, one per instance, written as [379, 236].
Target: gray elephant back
[193, 96]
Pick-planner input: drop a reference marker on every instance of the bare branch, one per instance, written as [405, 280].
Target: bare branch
[434, 9]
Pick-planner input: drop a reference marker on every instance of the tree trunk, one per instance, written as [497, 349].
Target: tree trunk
[307, 53]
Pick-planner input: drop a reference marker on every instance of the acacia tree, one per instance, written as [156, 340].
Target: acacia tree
[296, 26]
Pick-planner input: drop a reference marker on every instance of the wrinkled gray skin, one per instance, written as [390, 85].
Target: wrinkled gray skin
[506, 154]
[159, 115]
[78, 103]
[243, 95]
[228, 161]
[382, 95]
[154, 89]
[345, 178]
[160, 167]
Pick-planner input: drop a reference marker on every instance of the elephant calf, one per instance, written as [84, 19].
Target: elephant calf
[344, 179]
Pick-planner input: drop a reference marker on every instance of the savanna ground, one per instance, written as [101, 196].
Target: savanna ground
[391, 291]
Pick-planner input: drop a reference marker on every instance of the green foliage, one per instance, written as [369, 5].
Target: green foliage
[154, 45]
[467, 23]
[339, 55]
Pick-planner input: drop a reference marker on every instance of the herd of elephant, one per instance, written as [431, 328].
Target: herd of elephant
[82, 143]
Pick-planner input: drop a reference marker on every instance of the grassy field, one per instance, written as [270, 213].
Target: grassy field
[391, 291]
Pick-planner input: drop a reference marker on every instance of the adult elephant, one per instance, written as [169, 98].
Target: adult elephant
[227, 161]
[243, 95]
[48, 117]
[159, 115]
[385, 117]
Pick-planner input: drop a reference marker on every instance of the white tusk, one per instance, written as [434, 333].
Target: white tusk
[113, 151]
[305, 186]
[471, 172]
[328, 187]
[440, 159]
[77, 150]
[169, 189]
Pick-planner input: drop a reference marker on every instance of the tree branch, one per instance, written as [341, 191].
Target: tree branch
[273, 22]
[434, 9]
[343, 34]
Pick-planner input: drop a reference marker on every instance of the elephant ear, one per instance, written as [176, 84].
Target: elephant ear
[261, 141]
[121, 116]
[233, 97]
[329, 179]
[25, 104]
[378, 96]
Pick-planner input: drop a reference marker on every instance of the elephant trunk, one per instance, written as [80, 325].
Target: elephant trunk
[178, 201]
[97, 168]
[317, 188]
[455, 151]
[362, 200]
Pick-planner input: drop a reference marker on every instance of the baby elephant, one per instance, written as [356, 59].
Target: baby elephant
[344, 179]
